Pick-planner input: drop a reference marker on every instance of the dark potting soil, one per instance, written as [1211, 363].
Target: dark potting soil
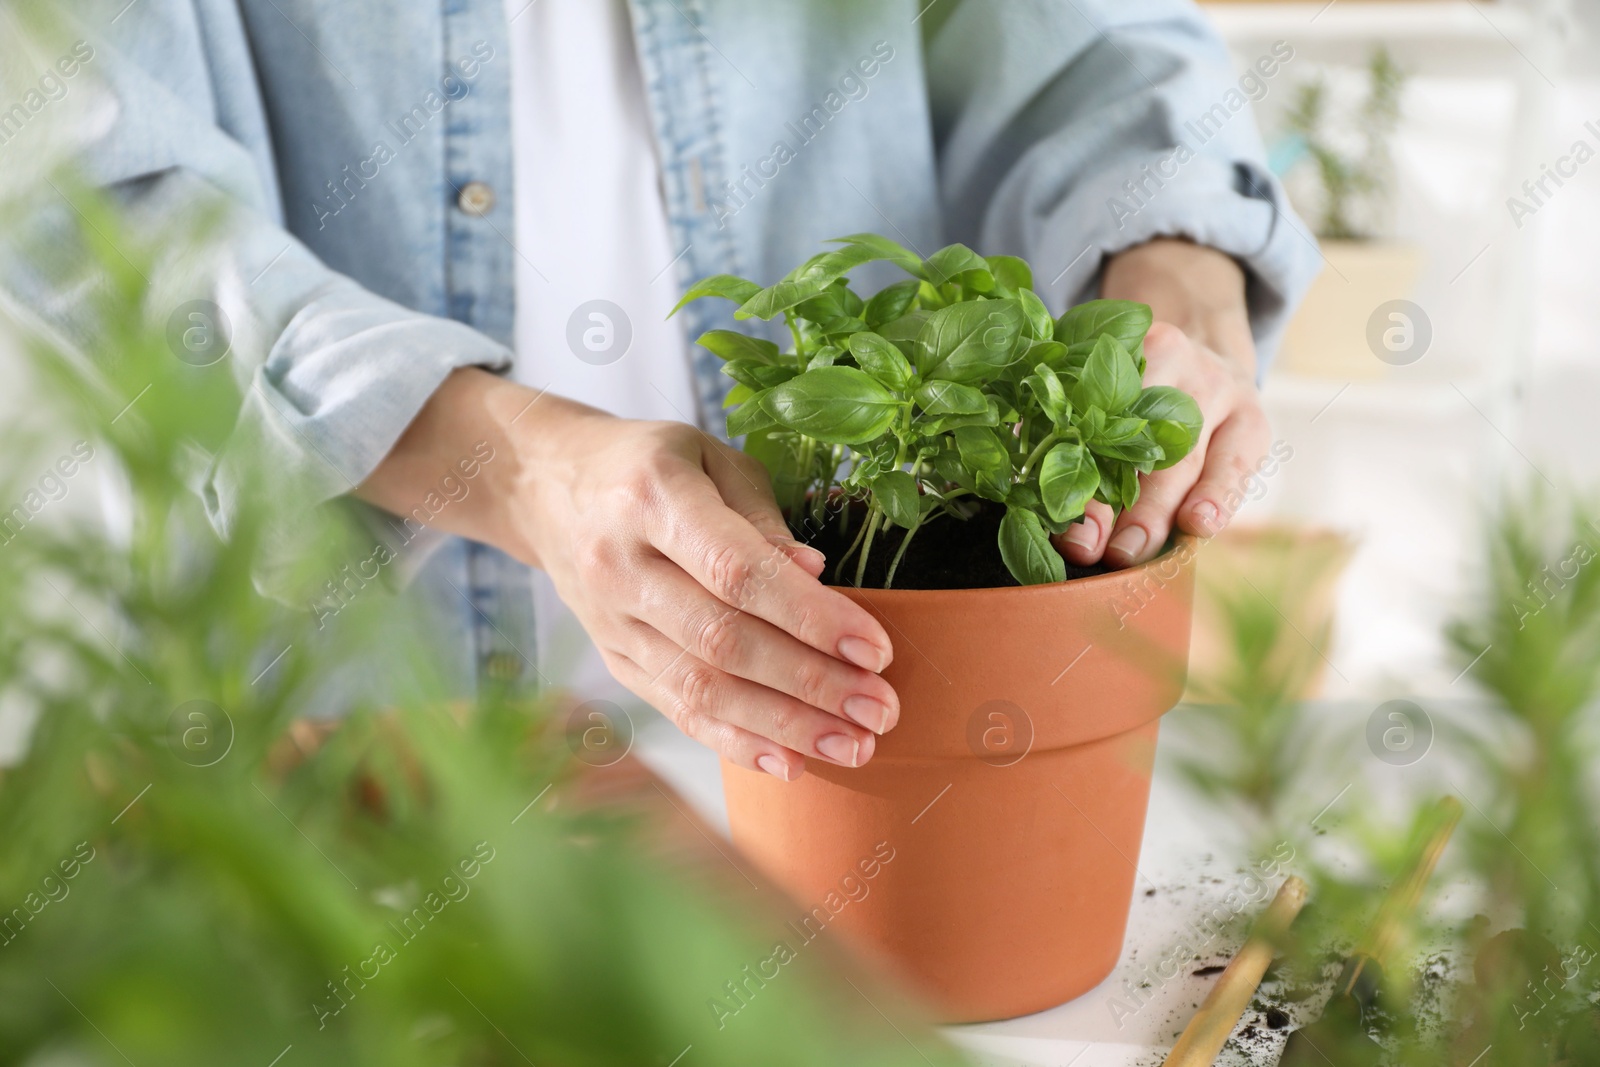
[947, 553]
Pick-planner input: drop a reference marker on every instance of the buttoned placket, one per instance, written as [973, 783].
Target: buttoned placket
[480, 287]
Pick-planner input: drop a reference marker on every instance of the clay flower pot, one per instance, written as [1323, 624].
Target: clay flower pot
[986, 853]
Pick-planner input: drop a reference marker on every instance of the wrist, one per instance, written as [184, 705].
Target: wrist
[544, 436]
[465, 460]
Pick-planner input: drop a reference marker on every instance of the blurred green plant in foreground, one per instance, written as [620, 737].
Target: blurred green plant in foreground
[183, 884]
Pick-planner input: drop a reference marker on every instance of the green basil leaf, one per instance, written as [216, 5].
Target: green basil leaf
[1119, 483]
[777, 451]
[881, 359]
[883, 248]
[839, 329]
[958, 263]
[1175, 421]
[948, 465]
[737, 395]
[946, 423]
[1052, 354]
[1140, 449]
[1090, 422]
[1050, 393]
[1175, 440]
[1168, 403]
[822, 307]
[896, 493]
[1023, 495]
[776, 299]
[1117, 429]
[969, 342]
[1027, 551]
[1041, 327]
[750, 416]
[948, 398]
[1012, 273]
[1109, 381]
[1068, 478]
[740, 371]
[826, 356]
[853, 304]
[1108, 492]
[834, 405]
[758, 375]
[981, 449]
[903, 332]
[1125, 320]
[890, 302]
[729, 286]
[985, 455]
[730, 344]
[1129, 489]
[827, 269]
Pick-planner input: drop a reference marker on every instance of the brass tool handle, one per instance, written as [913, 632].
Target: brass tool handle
[1401, 901]
[1208, 1031]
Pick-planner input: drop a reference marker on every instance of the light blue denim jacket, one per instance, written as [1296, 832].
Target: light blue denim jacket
[338, 135]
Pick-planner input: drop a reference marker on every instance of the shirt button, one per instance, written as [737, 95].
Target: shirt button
[503, 666]
[476, 199]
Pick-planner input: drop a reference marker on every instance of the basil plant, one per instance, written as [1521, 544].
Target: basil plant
[952, 387]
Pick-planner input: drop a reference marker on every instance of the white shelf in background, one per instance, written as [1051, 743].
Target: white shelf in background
[1443, 37]
[1377, 398]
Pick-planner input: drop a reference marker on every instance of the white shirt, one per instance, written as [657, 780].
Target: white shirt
[591, 225]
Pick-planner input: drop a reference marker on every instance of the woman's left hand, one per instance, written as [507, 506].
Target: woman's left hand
[1200, 343]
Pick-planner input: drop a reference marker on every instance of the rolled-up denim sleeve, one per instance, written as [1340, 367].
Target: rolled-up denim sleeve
[1068, 132]
[328, 374]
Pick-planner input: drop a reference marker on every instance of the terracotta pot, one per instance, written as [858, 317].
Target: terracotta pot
[1010, 799]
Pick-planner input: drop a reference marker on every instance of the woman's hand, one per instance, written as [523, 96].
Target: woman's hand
[1200, 343]
[668, 547]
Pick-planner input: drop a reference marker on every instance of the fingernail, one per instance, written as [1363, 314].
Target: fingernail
[774, 766]
[862, 653]
[1085, 534]
[840, 748]
[1129, 543]
[869, 712]
[1207, 517]
[789, 544]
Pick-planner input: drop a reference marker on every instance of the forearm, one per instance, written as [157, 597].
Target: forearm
[1197, 289]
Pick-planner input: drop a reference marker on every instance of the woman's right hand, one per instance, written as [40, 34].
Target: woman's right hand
[669, 548]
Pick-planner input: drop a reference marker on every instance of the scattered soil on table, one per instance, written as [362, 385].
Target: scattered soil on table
[947, 553]
[1207, 972]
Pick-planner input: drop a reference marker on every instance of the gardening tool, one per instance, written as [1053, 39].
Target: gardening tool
[1208, 1031]
[1340, 1035]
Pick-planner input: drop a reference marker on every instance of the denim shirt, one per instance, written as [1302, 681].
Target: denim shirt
[352, 143]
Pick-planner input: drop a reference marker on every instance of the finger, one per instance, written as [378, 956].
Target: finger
[1237, 446]
[747, 749]
[746, 488]
[1168, 351]
[686, 687]
[1142, 530]
[1084, 542]
[725, 554]
[751, 648]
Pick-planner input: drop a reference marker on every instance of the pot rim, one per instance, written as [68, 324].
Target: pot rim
[1182, 543]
